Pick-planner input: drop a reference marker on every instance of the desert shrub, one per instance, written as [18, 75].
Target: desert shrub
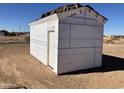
[12, 34]
[27, 38]
[109, 41]
[115, 38]
[122, 37]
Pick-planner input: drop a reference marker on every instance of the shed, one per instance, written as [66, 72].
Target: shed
[3, 32]
[68, 38]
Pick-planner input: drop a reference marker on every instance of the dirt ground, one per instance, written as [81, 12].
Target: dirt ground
[13, 39]
[18, 69]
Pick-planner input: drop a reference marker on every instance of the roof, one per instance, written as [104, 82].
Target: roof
[3, 31]
[69, 10]
[70, 7]
[61, 9]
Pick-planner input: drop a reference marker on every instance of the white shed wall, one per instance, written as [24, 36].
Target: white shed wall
[80, 43]
[38, 46]
[2, 34]
[75, 59]
[39, 40]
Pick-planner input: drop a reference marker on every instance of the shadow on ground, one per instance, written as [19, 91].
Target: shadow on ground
[109, 63]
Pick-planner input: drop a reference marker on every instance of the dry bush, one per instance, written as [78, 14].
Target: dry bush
[121, 40]
[109, 41]
[115, 38]
[27, 38]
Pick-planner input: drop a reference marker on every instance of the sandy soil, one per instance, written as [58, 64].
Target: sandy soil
[114, 50]
[19, 69]
[13, 39]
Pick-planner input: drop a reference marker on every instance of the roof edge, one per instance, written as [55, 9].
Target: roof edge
[95, 11]
[52, 17]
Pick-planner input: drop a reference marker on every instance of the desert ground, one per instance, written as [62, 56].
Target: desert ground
[13, 39]
[19, 69]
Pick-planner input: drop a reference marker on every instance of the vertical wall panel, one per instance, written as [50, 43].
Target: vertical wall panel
[39, 41]
[98, 56]
[85, 36]
[64, 35]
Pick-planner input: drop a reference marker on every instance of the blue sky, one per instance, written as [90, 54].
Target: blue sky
[13, 15]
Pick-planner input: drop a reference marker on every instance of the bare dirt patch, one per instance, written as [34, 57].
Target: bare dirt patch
[18, 69]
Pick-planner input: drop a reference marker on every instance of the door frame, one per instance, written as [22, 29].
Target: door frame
[49, 31]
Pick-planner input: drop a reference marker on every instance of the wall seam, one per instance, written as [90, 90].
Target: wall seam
[70, 37]
[81, 24]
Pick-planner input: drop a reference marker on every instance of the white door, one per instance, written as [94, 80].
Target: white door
[51, 49]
